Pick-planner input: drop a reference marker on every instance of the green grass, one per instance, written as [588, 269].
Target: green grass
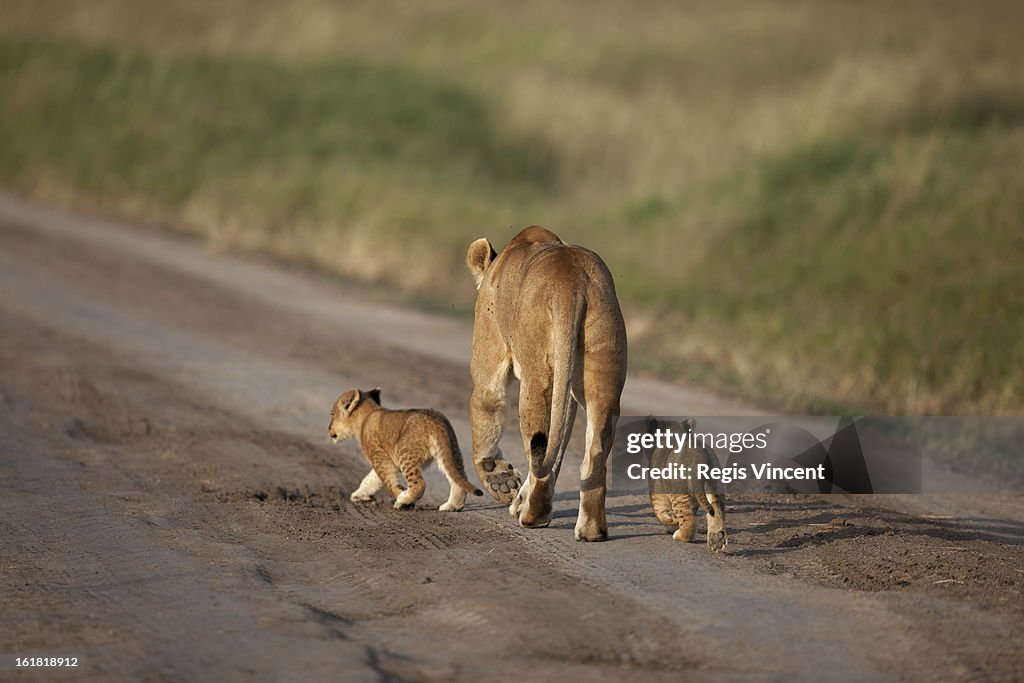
[126, 122]
[879, 252]
[803, 204]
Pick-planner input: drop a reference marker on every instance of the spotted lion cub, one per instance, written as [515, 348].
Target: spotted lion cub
[676, 509]
[399, 443]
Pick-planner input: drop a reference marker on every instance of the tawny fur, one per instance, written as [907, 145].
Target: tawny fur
[546, 312]
[399, 443]
[676, 509]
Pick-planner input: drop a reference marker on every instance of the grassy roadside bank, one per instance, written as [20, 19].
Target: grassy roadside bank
[836, 221]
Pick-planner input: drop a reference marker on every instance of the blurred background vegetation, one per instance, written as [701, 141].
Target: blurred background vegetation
[815, 205]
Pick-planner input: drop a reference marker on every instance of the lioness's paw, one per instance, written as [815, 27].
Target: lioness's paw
[717, 540]
[591, 532]
[535, 510]
[521, 496]
[501, 480]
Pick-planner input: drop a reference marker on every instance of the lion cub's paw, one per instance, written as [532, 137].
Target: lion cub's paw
[449, 507]
[717, 540]
[501, 480]
[683, 535]
[357, 497]
[405, 501]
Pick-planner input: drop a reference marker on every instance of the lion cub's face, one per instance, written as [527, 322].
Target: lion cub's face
[344, 424]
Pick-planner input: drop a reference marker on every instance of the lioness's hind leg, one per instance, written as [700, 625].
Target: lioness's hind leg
[370, 485]
[591, 524]
[534, 424]
[524, 490]
[604, 374]
[520, 499]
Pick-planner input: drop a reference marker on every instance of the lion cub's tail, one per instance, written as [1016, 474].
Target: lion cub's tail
[449, 457]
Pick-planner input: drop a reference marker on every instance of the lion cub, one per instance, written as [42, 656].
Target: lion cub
[674, 509]
[400, 442]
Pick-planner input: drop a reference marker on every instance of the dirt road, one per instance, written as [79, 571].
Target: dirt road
[171, 508]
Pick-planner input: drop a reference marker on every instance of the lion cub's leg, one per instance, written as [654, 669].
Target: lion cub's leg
[717, 538]
[388, 473]
[456, 494]
[683, 513]
[411, 464]
[370, 485]
[662, 505]
[456, 499]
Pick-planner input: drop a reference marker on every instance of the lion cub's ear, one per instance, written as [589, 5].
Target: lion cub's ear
[374, 394]
[688, 424]
[352, 402]
[479, 258]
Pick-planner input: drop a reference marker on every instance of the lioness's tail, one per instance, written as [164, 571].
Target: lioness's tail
[565, 339]
[449, 458]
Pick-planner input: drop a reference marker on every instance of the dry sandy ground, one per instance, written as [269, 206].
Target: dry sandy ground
[171, 509]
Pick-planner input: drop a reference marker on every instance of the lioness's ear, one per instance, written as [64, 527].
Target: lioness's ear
[479, 258]
[374, 394]
[689, 423]
[352, 403]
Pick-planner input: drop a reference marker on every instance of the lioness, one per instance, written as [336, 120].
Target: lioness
[547, 312]
[676, 509]
[400, 441]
